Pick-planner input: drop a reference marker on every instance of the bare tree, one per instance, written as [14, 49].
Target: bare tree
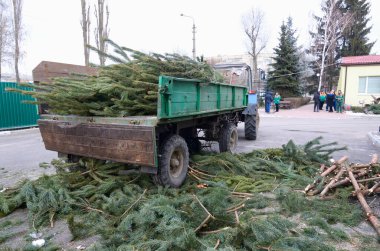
[17, 34]
[253, 27]
[306, 71]
[4, 36]
[85, 23]
[101, 30]
[332, 25]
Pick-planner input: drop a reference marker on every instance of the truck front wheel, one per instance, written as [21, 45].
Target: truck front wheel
[228, 138]
[250, 127]
[173, 162]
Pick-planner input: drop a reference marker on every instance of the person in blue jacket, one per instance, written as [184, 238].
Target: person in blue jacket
[268, 101]
[330, 101]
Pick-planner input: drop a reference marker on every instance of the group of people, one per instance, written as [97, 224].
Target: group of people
[334, 101]
[269, 99]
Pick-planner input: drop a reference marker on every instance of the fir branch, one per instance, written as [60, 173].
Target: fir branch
[133, 204]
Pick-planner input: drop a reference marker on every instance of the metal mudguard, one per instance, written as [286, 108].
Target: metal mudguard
[250, 110]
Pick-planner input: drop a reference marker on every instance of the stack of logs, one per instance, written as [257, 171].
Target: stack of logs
[365, 178]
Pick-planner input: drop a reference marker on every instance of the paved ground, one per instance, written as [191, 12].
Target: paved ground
[302, 125]
[21, 151]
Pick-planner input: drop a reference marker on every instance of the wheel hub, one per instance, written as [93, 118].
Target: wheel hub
[233, 140]
[176, 163]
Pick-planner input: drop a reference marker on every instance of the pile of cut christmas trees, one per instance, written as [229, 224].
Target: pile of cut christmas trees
[250, 201]
[126, 88]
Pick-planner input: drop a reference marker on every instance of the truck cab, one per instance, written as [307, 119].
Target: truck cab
[235, 74]
[241, 74]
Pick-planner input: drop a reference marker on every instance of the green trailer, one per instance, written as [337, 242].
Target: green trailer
[188, 112]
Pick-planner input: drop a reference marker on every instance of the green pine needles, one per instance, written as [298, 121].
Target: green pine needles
[126, 88]
[229, 202]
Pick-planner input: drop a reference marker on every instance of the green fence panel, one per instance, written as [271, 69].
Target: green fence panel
[13, 112]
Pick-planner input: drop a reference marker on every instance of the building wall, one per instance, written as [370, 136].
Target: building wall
[263, 62]
[349, 83]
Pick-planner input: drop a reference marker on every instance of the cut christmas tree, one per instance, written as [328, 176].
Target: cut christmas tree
[126, 88]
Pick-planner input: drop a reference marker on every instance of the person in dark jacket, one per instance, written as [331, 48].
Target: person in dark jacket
[330, 101]
[268, 101]
[316, 101]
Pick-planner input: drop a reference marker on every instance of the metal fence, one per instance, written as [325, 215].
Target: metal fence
[14, 113]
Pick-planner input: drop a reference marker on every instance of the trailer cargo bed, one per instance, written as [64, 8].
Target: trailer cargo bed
[158, 144]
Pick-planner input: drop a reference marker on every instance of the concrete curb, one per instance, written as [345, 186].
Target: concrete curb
[374, 138]
[18, 131]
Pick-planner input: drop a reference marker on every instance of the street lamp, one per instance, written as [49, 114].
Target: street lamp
[183, 15]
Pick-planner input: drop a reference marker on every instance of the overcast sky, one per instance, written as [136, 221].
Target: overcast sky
[53, 31]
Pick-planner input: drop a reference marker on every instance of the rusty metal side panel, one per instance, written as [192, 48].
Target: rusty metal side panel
[121, 143]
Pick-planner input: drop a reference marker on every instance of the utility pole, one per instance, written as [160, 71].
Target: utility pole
[194, 54]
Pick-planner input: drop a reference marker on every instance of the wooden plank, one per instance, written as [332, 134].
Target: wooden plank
[125, 143]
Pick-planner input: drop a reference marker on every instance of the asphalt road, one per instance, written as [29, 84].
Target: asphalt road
[22, 151]
[346, 130]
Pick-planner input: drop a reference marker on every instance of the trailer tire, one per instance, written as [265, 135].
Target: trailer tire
[173, 162]
[156, 180]
[228, 138]
[250, 127]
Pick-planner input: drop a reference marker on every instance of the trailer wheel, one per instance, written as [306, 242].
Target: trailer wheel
[228, 138]
[173, 162]
[250, 127]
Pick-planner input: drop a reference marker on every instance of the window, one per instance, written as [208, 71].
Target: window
[369, 85]
[362, 84]
[373, 85]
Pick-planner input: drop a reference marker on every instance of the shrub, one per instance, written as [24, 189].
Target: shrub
[357, 109]
[374, 108]
[298, 101]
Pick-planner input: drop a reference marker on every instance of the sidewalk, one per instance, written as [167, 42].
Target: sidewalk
[307, 112]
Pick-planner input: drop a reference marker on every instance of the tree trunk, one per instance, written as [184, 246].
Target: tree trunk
[325, 41]
[253, 22]
[333, 24]
[101, 31]
[17, 8]
[336, 178]
[370, 215]
[85, 23]
[3, 34]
